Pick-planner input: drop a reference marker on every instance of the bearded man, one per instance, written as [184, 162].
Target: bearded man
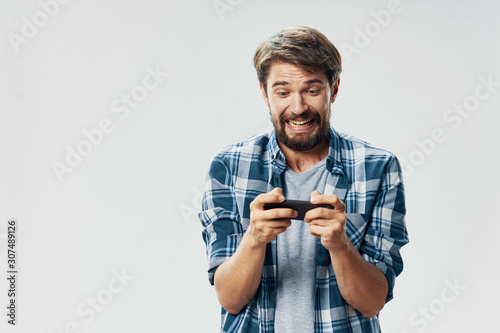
[333, 270]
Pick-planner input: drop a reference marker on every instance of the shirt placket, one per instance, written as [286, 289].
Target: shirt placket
[337, 184]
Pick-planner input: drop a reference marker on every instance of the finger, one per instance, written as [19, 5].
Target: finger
[324, 213]
[280, 230]
[326, 227]
[275, 195]
[315, 231]
[273, 215]
[331, 199]
[321, 231]
[319, 213]
[315, 194]
[277, 190]
[278, 213]
[281, 223]
[321, 222]
[274, 227]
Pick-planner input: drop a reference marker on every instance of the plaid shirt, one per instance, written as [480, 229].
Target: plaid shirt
[367, 179]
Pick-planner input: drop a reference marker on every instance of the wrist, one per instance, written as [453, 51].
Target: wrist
[341, 247]
[253, 242]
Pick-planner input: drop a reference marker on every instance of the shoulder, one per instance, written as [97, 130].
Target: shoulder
[364, 160]
[255, 145]
[355, 149]
[253, 149]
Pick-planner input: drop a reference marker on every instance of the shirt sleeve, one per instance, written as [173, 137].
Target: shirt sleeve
[386, 232]
[219, 216]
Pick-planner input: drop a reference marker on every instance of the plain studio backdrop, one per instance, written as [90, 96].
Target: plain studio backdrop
[112, 110]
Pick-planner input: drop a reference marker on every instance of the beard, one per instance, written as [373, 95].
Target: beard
[302, 142]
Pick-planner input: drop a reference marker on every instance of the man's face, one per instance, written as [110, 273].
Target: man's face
[299, 104]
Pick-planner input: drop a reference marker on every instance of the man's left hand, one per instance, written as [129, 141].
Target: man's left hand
[328, 224]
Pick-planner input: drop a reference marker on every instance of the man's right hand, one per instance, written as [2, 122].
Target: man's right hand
[265, 225]
[238, 278]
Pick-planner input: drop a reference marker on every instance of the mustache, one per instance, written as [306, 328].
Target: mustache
[305, 115]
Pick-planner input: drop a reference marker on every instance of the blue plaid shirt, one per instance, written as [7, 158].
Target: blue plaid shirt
[367, 179]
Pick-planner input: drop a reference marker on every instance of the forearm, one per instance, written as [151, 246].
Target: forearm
[238, 278]
[362, 284]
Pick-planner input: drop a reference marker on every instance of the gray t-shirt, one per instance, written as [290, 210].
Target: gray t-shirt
[296, 267]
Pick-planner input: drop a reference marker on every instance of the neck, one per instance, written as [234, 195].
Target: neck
[300, 161]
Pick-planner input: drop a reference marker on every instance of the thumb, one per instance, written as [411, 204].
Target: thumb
[314, 194]
[277, 190]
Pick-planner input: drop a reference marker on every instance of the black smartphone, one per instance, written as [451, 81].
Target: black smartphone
[301, 206]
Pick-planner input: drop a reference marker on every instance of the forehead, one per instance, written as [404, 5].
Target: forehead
[290, 73]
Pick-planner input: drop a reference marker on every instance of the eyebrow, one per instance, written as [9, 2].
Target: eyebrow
[280, 83]
[284, 83]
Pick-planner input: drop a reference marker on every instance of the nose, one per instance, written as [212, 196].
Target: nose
[298, 105]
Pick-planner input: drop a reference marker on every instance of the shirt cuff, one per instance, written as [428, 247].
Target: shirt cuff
[390, 276]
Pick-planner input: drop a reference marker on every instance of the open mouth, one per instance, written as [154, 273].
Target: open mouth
[301, 123]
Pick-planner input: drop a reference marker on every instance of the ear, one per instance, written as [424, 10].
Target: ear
[335, 90]
[264, 94]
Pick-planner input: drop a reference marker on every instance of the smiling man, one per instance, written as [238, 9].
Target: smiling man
[334, 270]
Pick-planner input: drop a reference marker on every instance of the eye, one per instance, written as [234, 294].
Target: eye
[282, 93]
[313, 91]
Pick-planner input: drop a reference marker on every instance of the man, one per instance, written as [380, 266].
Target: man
[335, 270]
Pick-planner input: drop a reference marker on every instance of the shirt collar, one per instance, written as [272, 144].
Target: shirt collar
[274, 149]
[333, 161]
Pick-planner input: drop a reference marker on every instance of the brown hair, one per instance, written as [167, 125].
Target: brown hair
[302, 46]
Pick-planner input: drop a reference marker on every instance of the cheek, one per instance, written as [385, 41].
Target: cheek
[276, 108]
[272, 111]
[323, 108]
[276, 116]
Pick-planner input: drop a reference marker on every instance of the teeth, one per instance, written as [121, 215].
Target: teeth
[300, 123]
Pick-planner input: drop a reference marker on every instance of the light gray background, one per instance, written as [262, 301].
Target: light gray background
[131, 204]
